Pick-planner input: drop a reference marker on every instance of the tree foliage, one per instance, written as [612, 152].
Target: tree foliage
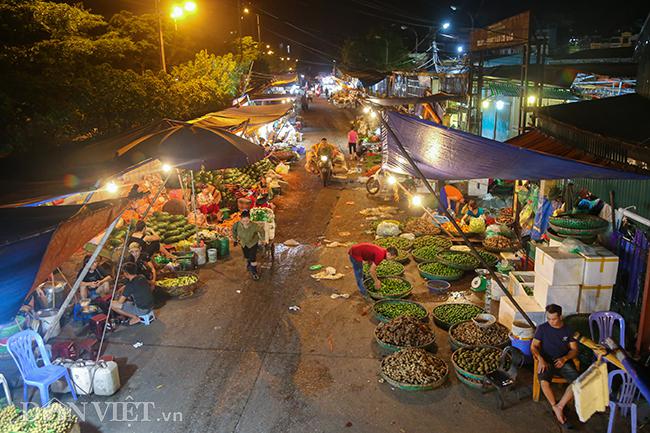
[69, 74]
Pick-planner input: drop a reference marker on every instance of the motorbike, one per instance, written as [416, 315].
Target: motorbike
[324, 165]
[383, 180]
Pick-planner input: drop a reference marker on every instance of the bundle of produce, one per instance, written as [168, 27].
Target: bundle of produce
[490, 258]
[432, 241]
[387, 268]
[179, 285]
[404, 331]
[390, 287]
[477, 360]
[470, 334]
[449, 227]
[438, 271]
[499, 243]
[55, 418]
[426, 254]
[171, 228]
[458, 260]
[399, 243]
[204, 235]
[261, 214]
[421, 226]
[447, 315]
[389, 309]
[414, 366]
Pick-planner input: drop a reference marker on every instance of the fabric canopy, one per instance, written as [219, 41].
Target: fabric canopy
[448, 154]
[253, 115]
[36, 240]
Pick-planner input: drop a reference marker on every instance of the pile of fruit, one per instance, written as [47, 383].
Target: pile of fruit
[490, 258]
[393, 309]
[471, 334]
[397, 242]
[498, 243]
[244, 177]
[387, 268]
[181, 281]
[170, 228]
[432, 241]
[421, 226]
[458, 260]
[402, 256]
[414, 366]
[55, 418]
[117, 237]
[450, 314]
[426, 254]
[477, 360]
[404, 331]
[451, 229]
[389, 286]
[505, 216]
[440, 271]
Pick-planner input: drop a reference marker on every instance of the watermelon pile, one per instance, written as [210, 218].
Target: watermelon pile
[243, 177]
[170, 228]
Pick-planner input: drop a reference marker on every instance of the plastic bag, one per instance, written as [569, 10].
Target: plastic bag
[476, 225]
[409, 236]
[571, 245]
[492, 230]
[282, 168]
[386, 228]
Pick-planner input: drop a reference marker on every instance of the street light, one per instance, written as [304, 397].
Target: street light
[176, 13]
[246, 10]
[460, 49]
[531, 99]
[446, 25]
[190, 6]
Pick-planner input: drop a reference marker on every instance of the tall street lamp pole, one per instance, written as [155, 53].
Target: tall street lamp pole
[163, 64]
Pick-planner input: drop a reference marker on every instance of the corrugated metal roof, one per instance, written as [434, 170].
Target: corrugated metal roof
[502, 88]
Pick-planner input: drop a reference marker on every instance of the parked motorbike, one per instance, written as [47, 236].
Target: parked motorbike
[383, 180]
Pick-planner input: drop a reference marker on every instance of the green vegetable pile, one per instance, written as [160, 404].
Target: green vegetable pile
[459, 260]
[393, 309]
[389, 286]
[399, 243]
[426, 254]
[402, 256]
[490, 258]
[477, 360]
[54, 418]
[170, 228]
[440, 270]
[387, 268]
[432, 241]
[451, 314]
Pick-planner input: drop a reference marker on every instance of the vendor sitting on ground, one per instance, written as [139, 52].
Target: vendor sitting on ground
[554, 348]
[149, 241]
[141, 262]
[96, 282]
[208, 201]
[374, 255]
[136, 299]
[472, 211]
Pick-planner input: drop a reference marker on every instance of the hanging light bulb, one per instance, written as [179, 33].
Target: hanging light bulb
[416, 200]
[111, 187]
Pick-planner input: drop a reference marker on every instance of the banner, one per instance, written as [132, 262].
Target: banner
[505, 33]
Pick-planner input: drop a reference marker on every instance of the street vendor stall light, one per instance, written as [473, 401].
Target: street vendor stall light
[366, 110]
[268, 46]
[373, 114]
[111, 187]
[531, 99]
[460, 49]
[485, 103]
[500, 105]
[166, 168]
[392, 180]
[246, 10]
[446, 25]
[416, 200]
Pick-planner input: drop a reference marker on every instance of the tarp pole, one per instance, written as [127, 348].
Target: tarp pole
[466, 240]
[196, 221]
[82, 275]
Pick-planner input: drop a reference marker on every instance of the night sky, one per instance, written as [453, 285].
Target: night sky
[323, 25]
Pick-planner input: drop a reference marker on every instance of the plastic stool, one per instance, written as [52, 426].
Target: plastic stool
[148, 318]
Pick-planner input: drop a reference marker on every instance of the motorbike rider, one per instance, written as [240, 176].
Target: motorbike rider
[323, 147]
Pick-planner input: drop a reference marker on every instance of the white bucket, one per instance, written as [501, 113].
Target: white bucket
[200, 252]
[212, 255]
[47, 321]
[522, 330]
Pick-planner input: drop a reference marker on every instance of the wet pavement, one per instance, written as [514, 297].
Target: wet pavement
[234, 358]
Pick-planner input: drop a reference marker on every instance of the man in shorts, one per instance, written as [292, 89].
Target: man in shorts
[136, 299]
[554, 348]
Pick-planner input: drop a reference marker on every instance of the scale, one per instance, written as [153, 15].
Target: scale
[482, 282]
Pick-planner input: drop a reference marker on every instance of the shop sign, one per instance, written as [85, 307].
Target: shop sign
[505, 33]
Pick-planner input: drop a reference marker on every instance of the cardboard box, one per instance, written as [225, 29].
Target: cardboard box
[508, 313]
[600, 267]
[565, 296]
[519, 280]
[558, 268]
[594, 298]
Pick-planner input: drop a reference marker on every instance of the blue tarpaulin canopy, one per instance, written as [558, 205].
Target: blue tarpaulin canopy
[449, 154]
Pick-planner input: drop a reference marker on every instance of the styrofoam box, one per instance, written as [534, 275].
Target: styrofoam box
[477, 187]
[516, 286]
[554, 244]
[595, 298]
[565, 296]
[558, 268]
[508, 313]
[600, 267]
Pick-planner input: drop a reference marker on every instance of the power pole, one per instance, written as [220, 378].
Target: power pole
[259, 31]
[239, 20]
[163, 64]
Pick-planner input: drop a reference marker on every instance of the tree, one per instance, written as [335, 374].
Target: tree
[383, 51]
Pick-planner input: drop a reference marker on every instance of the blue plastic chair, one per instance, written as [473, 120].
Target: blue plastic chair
[623, 399]
[20, 348]
[604, 321]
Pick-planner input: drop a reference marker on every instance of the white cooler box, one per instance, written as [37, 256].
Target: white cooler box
[594, 298]
[565, 296]
[520, 280]
[558, 268]
[600, 267]
[508, 313]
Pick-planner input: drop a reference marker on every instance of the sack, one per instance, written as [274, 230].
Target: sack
[386, 228]
[476, 225]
